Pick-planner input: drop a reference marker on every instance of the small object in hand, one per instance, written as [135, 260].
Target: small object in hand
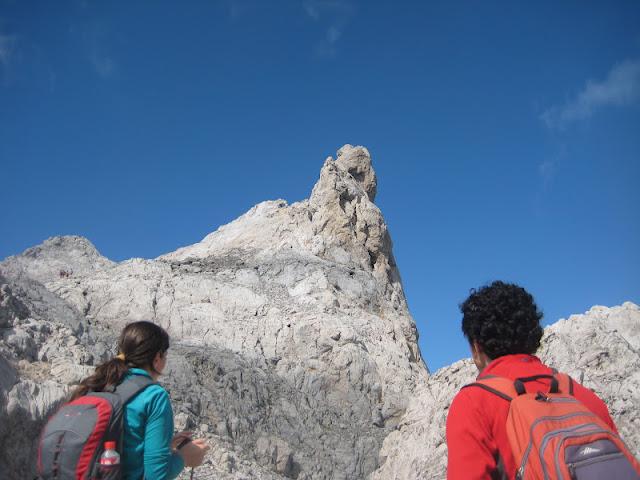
[183, 442]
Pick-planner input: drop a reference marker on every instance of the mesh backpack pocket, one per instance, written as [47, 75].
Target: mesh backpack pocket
[554, 436]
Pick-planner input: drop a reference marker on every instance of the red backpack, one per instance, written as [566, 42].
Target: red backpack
[554, 436]
[73, 439]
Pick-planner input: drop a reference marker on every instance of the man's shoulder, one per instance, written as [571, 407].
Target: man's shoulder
[474, 409]
[473, 396]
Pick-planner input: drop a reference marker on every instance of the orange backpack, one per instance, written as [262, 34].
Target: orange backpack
[554, 436]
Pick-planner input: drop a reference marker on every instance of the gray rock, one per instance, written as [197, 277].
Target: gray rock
[11, 308]
[23, 408]
[280, 454]
[57, 257]
[357, 162]
[25, 297]
[8, 378]
[293, 350]
[291, 334]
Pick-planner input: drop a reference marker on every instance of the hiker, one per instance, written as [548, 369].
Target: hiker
[150, 449]
[502, 324]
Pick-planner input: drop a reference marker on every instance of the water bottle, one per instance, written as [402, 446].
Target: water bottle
[110, 458]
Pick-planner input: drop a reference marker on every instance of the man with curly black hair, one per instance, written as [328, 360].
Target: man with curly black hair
[502, 324]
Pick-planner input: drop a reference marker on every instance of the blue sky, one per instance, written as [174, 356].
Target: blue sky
[505, 136]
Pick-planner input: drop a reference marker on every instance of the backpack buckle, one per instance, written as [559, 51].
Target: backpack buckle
[541, 397]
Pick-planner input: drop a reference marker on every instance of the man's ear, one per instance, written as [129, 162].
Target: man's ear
[478, 355]
[480, 358]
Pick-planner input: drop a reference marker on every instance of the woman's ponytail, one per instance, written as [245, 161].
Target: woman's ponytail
[138, 345]
[107, 376]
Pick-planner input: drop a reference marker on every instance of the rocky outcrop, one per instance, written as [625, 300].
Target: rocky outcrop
[39, 358]
[57, 257]
[292, 341]
[599, 348]
[293, 350]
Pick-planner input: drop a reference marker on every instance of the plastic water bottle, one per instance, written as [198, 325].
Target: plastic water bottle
[110, 458]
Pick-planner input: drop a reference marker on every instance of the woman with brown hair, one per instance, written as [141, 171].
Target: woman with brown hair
[149, 448]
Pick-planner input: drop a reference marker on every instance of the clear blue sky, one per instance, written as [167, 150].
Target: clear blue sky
[506, 137]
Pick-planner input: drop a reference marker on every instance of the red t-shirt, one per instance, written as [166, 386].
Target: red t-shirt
[476, 423]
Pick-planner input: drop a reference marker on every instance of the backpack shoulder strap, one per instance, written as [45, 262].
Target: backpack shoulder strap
[565, 382]
[502, 387]
[133, 385]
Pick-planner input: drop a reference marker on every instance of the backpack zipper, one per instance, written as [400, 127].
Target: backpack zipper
[561, 400]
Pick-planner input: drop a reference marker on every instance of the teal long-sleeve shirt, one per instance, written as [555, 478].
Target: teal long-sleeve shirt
[148, 431]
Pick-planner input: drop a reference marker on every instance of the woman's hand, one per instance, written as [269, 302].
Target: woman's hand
[193, 452]
[179, 438]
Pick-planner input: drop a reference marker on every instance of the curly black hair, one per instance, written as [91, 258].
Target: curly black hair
[503, 319]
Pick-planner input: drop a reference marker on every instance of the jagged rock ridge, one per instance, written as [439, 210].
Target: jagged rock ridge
[293, 350]
[293, 346]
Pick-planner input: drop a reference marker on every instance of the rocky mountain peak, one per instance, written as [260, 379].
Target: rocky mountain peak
[351, 173]
[347, 225]
[290, 330]
[56, 258]
[339, 223]
[357, 162]
[292, 348]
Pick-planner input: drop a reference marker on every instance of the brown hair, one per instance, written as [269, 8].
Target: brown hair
[138, 345]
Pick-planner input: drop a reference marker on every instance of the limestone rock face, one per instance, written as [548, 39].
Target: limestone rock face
[291, 338]
[355, 161]
[292, 348]
[57, 257]
[39, 358]
[598, 348]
